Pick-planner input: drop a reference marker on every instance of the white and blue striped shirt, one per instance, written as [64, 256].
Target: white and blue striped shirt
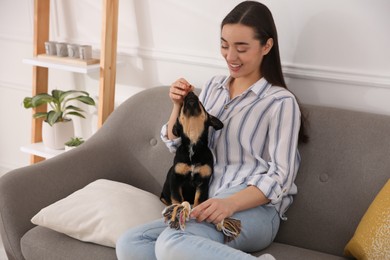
[258, 143]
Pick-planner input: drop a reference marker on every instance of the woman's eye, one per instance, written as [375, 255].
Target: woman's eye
[224, 46]
[241, 51]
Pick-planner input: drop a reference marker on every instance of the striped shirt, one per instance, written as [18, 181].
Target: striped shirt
[258, 143]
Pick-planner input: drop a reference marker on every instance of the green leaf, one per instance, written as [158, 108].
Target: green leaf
[54, 117]
[40, 115]
[74, 113]
[73, 108]
[57, 101]
[86, 100]
[27, 102]
[57, 94]
[65, 94]
[75, 141]
[41, 99]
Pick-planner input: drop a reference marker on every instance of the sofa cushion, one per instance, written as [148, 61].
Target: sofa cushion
[372, 237]
[44, 243]
[284, 251]
[100, 212]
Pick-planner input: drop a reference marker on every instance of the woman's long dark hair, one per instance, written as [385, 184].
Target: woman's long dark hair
[259, 18]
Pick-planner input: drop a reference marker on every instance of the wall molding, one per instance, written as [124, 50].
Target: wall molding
[342, 76]
[15, 87]
[214, 61]
[15, 38]
[298, 71]
[198, 59]
[190, 57]
[18, 38]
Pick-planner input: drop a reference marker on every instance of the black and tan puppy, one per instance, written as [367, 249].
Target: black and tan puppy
[188, 178]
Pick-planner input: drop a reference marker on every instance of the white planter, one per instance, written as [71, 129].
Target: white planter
[55, 137]
[68, 148]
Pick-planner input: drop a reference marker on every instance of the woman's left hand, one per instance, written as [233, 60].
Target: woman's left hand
[213, 210]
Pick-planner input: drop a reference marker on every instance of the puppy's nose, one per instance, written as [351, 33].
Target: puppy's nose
[191, 102]
[191, 99]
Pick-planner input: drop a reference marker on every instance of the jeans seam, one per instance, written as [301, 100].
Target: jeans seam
[274, 229]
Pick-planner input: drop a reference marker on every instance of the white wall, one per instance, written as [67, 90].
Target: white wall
[334, 53]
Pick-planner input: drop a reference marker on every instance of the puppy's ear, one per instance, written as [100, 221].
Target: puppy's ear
[215, 122]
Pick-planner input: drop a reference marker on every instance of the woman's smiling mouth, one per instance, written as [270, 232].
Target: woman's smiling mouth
[234, 67]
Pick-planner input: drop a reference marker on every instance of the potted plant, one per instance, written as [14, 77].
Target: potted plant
[73, 143]
[58, 127]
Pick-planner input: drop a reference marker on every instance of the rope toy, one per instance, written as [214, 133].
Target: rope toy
[176, 216]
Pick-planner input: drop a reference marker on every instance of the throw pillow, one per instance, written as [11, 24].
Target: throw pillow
[100, 212]
[372, 236]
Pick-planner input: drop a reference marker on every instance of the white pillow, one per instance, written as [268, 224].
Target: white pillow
[100, 212]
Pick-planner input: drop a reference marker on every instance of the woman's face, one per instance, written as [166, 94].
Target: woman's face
[242, 52]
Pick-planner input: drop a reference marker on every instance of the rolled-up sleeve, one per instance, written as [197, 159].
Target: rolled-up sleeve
[283, 162]
[171, 144]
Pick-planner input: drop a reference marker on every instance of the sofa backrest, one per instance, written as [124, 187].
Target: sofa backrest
[343, 166]
[135, 128]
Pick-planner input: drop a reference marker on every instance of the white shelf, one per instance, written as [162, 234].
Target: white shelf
[40, 150]
[62, 66]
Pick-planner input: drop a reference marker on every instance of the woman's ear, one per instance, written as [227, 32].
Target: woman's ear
[268, 46]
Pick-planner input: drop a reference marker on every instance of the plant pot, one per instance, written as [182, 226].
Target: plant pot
[68, 148]
[55, 137]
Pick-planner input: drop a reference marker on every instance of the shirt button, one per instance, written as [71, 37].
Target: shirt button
[226, 107]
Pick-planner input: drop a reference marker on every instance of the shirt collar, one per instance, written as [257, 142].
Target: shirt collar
[225, 83]
[259, 88]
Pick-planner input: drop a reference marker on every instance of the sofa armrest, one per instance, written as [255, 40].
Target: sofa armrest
[25, 191]
[127, 148]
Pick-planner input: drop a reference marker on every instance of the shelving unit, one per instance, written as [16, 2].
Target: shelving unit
[62, 66]
[106, 67]
[38, 149]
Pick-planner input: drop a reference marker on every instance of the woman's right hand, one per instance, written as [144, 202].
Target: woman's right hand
[179, 89]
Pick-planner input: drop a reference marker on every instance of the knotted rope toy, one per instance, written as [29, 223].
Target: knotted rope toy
[176, 216]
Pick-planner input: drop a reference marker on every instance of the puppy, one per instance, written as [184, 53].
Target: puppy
[188, 178]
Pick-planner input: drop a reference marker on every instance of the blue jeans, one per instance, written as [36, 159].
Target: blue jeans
[201, 240]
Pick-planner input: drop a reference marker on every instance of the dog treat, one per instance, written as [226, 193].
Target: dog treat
[176, 216]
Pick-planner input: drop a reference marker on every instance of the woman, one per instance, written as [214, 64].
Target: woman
[256, 157]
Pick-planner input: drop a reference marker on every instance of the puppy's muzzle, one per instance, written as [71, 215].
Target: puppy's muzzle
[191, 105]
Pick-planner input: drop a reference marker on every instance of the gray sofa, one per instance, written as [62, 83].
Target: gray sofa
[343, 167]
